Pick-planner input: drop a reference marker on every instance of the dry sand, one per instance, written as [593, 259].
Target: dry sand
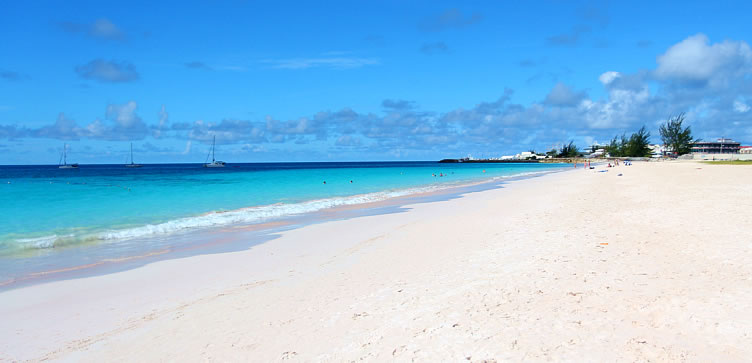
[582, 266]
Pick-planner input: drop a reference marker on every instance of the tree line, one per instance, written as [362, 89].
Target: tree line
[636, 145]
[676, 138]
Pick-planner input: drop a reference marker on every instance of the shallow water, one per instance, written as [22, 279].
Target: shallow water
[109, 211]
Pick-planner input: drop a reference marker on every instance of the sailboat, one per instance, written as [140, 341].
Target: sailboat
[132, 165]
[64, 159]
[214, 163]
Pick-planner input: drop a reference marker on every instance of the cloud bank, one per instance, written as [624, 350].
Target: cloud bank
[711, 82]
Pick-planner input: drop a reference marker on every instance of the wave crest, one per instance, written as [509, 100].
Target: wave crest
[250, 215]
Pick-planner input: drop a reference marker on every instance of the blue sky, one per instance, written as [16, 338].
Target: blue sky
[351, 80]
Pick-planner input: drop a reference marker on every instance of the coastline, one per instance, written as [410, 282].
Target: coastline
[192, 241]
[295, 189]
[565, 266]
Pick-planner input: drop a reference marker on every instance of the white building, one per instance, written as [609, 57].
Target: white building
[597, 153]
[527, 155]
[657, 151]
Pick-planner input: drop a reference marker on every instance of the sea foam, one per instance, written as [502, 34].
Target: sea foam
[243, 216]
[258, 214]
[38, 242]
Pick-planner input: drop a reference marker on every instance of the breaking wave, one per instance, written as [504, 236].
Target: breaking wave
[243, 216]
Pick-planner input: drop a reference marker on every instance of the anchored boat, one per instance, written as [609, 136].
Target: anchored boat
[132, 165]
[63, 163]
[214, 163]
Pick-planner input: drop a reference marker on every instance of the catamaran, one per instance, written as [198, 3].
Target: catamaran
[214, 163]
[132, 165]
[64, 160]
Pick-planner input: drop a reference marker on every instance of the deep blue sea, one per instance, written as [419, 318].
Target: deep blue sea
[46, 209]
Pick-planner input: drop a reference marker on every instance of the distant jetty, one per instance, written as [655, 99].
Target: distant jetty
[513, 161]
[486, 161]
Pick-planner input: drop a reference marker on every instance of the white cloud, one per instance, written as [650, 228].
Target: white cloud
[696, 60]
[562, 95]
[124, 115]
[63, 129]
[163, 121]
[163, 116]
[401, 127]
[608, 77]
[347, 141]
[121, 123]
[621, 109]
[740, 106]
[187, 148]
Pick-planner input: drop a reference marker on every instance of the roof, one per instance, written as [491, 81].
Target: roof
[720, 141]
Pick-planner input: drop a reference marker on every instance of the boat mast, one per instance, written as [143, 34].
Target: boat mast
[65, 154]
[214, 140]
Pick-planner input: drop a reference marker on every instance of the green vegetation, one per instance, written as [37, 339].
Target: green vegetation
[637, 145]
[729, 162]
[568, 151]
[677, 139]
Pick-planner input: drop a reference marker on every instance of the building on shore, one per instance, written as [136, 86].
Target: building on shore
[657, 150]
[525, 155]
[722, 146]
[598, 153]
[528, 155]
[745, 149]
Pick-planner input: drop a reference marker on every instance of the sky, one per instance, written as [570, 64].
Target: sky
[362, 80]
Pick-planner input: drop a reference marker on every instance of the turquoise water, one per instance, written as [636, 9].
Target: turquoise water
[46, 208]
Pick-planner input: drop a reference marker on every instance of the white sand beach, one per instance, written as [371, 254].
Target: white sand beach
[653, 265]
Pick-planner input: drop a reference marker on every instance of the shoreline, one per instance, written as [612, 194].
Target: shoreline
[261, 232]
[566, 266]
[38, 242]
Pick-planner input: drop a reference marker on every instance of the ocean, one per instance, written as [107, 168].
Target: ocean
[49, 214]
